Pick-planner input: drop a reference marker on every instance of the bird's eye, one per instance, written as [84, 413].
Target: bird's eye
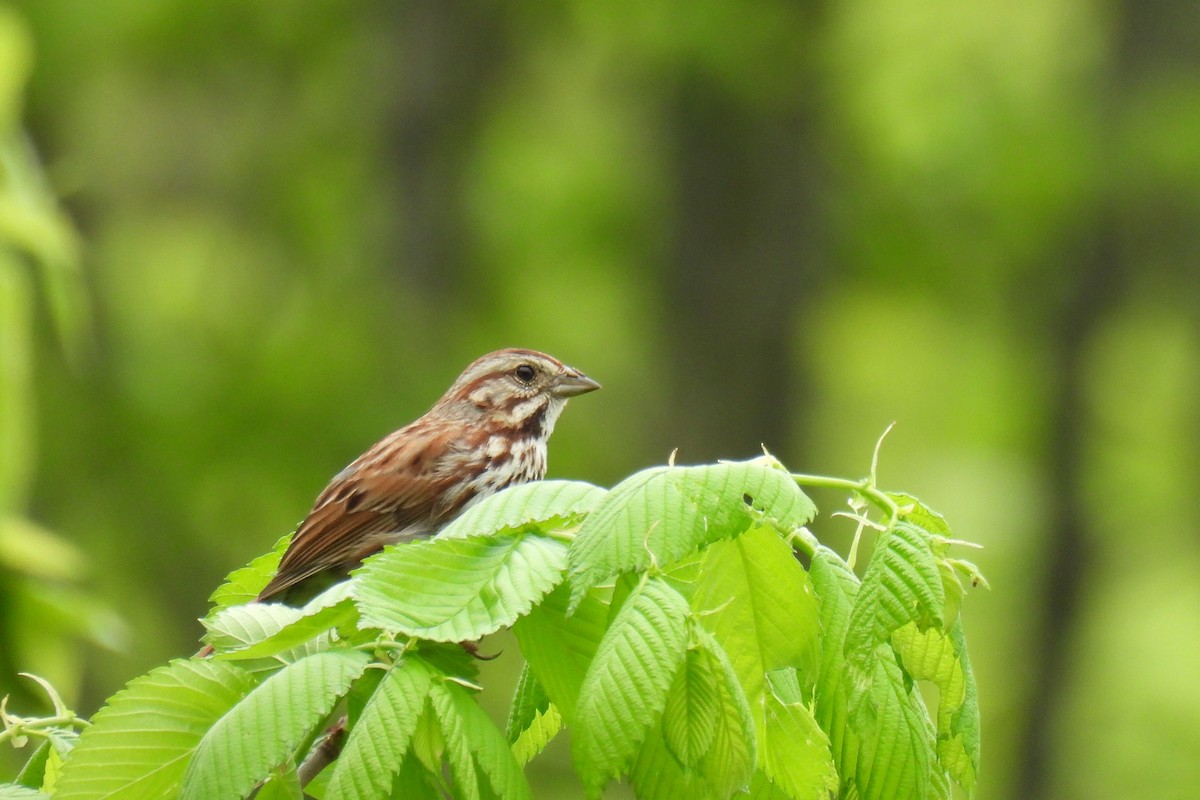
[524, 373]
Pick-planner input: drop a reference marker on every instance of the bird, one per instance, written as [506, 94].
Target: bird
[487, 432]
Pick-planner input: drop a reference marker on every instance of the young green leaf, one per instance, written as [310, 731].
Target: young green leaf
[958, 575]
[836, 587]
[264, 637]
[959, 751]
[546, 505]
[453, 590]
[380, 738]
[428, 744]
[236, 627]
[559, 648]
[263, 630]
[414, 782]
[309, 628]
[902, 584]
[33, 772]
[282, 784]
[896, 758]
[474, 744]
[706, 724]
[45, 765]
[140, 743]
[54, 765]
[532, 720]
[693, 707]
[657, 775]
[758, 602]
[361, 692]
[264, 729]
[729, 762]
[243, 584]
[921, 515]
[660, 515]
[626, 685]
[794, 752]
[941, 658]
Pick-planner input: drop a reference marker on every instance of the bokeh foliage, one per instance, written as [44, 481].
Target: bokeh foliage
[776, 222]
[43, 610]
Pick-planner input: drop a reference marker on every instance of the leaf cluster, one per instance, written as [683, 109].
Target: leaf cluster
[684, 627]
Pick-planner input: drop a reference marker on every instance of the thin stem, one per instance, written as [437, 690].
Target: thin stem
[875, 454]
[802, 540]
[864, 488]
[852, 559]
[34, 727]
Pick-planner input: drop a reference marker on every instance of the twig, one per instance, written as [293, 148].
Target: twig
[323, 754]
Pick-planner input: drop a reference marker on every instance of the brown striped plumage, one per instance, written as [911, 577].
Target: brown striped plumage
[488, 431]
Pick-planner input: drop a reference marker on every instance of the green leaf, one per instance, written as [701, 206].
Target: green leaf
[415, 783]
[140, 743]
[264, 630]
[896, 738]
[706, 724]
[243, 584]
[959, 751]
[729, 762]
[547, 505]
[795, 751]
[559, 649]
[880, 731]
[921, 515]
[282, 784]
[626, 685]
[529, 700]
[34, 771]
[757, 601]
[269, 724]
[458, 752]
[941, 658]
[14, 791]
[532, 720]
[692, 709]
[237, 627]
[761, 788]
[428, 744]
[902, 584]
[451, 659]
[454, 590]
[313, 627]
[474, 744]
[657, 775]
[53, 771]
[377, 744]
[836, 587]
[362, 690]
[661, 515]
[264, 637]
[957, 574]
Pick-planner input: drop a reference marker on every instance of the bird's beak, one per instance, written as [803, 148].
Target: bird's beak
[572, 382]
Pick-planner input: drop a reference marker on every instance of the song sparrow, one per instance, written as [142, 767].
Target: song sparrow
[488, 431]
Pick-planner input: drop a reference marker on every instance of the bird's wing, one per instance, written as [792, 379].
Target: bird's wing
[388, 492]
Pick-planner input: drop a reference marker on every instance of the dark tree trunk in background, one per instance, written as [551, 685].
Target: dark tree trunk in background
[747, 247]
[1097, 275]
[449, 58]
[1149, 34]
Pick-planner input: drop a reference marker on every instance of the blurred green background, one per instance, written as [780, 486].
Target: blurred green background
[754, 222]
